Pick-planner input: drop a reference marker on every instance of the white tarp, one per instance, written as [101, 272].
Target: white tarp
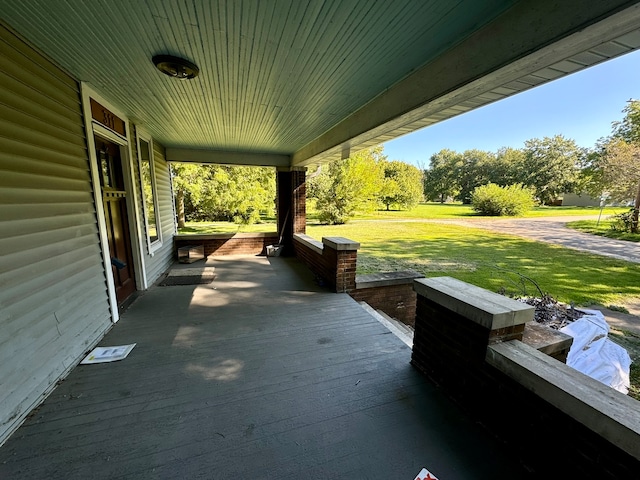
[593, 354]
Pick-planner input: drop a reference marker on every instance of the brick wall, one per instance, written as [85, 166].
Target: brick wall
[450, 348]
[390, 292]
[283, 207]
[228, 244]
[550, 442]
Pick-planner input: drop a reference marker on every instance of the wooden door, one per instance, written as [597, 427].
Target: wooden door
[114, 198]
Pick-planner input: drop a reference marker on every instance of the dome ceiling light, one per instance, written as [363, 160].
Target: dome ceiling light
[176, 67]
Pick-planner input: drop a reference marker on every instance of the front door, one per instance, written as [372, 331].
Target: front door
[114, 198]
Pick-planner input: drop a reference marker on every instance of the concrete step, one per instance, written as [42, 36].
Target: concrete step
[397, 323]
[399, 329]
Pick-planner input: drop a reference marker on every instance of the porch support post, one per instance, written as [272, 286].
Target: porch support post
[299, 200]
[291, 205]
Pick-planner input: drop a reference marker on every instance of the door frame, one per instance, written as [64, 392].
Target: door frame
[94, 128]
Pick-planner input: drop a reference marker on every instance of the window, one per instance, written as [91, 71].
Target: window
[149, 195]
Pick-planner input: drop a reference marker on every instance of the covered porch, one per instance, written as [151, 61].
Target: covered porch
[262, 373]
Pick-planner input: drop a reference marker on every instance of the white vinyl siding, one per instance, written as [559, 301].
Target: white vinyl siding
[53, 294]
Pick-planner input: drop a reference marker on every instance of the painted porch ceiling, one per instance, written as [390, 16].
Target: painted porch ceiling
[308, 79]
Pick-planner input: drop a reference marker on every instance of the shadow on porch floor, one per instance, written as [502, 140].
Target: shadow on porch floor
[261, 374]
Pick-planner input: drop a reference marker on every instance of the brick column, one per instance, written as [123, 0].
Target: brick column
[291, 205]
[299, 200]
[341, 255]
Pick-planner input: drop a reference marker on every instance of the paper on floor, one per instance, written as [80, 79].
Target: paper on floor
[107, 354]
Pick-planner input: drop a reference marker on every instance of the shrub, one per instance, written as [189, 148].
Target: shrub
[623, 222]
[494, 200]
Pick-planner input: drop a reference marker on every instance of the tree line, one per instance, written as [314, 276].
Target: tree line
[223, 193]
[549, 166]
[365, 181]
[368, 180]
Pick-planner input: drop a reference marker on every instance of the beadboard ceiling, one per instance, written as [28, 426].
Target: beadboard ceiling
[309, 81]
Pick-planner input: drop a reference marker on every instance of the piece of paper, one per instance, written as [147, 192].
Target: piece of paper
[107, 354]
[426, 475]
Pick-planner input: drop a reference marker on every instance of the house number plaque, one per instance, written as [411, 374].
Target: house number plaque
[107, 118]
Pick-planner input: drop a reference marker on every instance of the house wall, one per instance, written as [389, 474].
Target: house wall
[53, 294]
[158, 260]
[575, 200]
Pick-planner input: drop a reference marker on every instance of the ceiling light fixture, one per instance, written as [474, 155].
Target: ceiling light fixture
[176, 67]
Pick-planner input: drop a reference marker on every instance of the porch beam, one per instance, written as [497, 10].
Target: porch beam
[222, 157]
[526, 38]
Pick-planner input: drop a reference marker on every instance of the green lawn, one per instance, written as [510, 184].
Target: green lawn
[492, 261]
[458, 210]
[602, 228]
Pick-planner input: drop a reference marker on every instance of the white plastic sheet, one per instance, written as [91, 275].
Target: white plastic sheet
[593, 354]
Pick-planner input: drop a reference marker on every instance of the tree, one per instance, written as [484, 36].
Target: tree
[440, 180]
[473, 171]
[504, 169]
[550, 165]
[615, 164]
[189, 184]
[221, 192]
[402, 185]
[628, 128]
[239, 194]
[621, 174]
[344, 187]
[590, 179]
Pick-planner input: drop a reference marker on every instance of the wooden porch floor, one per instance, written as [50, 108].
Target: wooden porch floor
[261, 374]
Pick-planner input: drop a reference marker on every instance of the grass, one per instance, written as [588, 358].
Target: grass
[458, 210]
[489, 260]
[603, 229]
[424, 211]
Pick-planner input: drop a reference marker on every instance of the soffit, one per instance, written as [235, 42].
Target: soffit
[273, 74]
[314, 80]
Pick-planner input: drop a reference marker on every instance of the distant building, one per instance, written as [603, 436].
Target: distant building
[575, 200]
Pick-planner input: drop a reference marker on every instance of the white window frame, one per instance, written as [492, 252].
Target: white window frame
[154, 245]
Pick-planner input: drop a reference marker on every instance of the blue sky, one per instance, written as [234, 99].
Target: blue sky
[580, 106]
